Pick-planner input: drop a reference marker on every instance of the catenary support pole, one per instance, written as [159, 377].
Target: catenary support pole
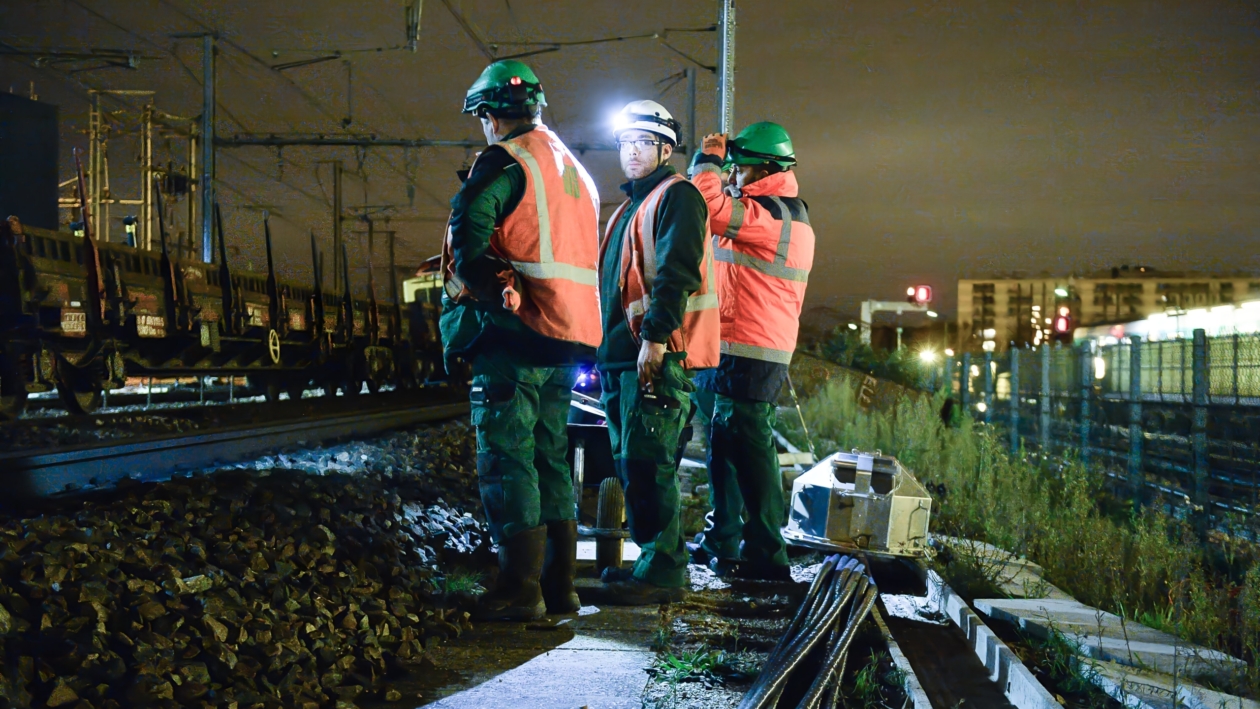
[692, 148]
[1086, 371]
[726, 68]
[1043, 399]
[988, 387]
[964, 381]
[336, 225]
[1198, 424]
[1137, 482]
[207, 148]
[1015, 398]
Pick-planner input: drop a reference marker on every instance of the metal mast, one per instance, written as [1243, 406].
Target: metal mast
[726, 67]
[207, 149]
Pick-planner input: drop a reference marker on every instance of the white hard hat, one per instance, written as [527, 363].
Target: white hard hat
[649, 116]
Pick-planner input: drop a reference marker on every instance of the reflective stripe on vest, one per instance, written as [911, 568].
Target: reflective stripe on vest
[777, 268]
[546, 267]
[764, 354]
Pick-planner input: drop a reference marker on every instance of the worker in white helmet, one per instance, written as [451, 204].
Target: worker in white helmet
[658, 302]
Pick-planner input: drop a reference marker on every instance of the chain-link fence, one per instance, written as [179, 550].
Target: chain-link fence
[1179, 418]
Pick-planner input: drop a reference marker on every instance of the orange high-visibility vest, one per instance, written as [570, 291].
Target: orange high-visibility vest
[552, 241]
[764, 248]
[698, 336]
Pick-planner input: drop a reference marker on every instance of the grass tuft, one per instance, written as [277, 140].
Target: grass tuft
[1145, 564]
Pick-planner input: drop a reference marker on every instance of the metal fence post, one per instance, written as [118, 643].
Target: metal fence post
[964, 380]
[1087, 385]
[1015, 398]
[1199, 365]
[988, 387]
[1044, 399]
[1137, 481]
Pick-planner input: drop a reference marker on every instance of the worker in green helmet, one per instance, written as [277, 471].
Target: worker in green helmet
[764, 250]
[521, 307]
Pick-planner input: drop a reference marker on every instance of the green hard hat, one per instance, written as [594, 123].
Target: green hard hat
[504, 84]
[761, 143]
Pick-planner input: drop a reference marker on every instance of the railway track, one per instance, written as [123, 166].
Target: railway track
[239, 433]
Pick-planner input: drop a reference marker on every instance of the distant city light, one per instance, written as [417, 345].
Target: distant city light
[990, 333]
[1061, 292]
[989, 345]
[928, 356]
[852, 326]
[1064, 310]
[1100, 368]
[982, 407]
[949, 352]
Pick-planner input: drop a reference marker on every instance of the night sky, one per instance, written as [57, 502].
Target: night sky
[936, 139]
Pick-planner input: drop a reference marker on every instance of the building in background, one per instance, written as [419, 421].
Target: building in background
[995, 313]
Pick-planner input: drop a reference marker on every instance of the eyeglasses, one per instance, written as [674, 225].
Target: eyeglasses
[637, 145]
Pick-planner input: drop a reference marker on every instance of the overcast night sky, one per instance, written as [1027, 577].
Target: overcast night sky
[935, 139]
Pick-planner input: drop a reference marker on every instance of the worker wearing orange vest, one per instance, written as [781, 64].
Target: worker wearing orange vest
[764, 251]
[521, 306]
[660, 318]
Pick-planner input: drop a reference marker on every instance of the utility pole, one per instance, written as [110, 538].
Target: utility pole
[337, 226]
[690, 73]
[207, 148]
[726, 68]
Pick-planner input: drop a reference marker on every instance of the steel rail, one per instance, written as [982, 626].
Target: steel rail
[26, 474]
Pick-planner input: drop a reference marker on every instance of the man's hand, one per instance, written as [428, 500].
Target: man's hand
[651, 361]
[714, 144]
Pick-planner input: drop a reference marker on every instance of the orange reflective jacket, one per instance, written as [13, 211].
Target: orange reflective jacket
[552, 241]
[698, 336]
[764, 248]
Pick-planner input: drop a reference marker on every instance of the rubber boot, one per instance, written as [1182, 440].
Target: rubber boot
[517, 594]
[557, 576]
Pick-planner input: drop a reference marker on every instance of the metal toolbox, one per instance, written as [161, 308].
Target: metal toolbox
[859, 500]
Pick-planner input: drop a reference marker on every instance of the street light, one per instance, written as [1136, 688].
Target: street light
[1061, 292]
[927, 356]
[933, 314]
[852, 326]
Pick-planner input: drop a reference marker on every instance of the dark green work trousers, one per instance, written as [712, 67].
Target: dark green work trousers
[745, 485]
[521, 413]
[644, 432]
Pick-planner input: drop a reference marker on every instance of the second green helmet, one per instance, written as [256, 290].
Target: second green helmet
[503, 85]
[762, 143]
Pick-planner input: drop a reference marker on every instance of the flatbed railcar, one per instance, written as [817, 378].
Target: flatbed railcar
[80, 316]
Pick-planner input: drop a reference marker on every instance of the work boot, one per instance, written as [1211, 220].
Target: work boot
[724, 568]
[634, 592]
[695, 550]
[517, 594]
[557, 577]
[616, 573]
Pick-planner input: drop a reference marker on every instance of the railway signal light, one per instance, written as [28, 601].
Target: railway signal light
[1063, 322]
[919, 295]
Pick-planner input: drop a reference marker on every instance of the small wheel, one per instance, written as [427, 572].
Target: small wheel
[80, 401]
[610, 514]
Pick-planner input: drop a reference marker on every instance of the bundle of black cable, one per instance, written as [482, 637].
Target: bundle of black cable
[809, 659]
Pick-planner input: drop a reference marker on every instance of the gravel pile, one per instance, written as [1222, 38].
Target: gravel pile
[241, 589]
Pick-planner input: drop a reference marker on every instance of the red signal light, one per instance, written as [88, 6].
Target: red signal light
[1062, 324]
[919, 295]
[515, 81]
